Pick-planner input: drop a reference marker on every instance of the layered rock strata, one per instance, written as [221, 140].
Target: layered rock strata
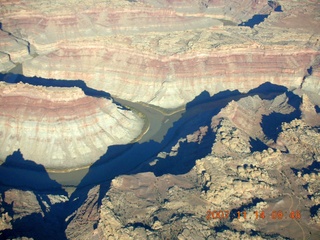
[171, 81]
[61, 127]
[178, 50]
[164, 52]
[236, 178]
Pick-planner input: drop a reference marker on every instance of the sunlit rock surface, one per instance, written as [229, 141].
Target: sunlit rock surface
[24, 211]
[12, 51]
[166, 52]
[61, 127]
[237, 175]
[238, 153]
[312, 80]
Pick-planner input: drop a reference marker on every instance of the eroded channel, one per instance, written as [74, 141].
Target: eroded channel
[163, 128]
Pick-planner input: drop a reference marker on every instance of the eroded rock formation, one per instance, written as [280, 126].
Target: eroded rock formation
[232, 178]
[61, 128]
[253, 153]
[178, 50]
[24, 213]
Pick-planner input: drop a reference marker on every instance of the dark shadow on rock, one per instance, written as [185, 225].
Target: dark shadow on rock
[268, 91]
[313, 168]
[37, 227]
[271, 124]
[139, 225]
[118, 160]
[122, 159]
[186, 156]
[234, 213]
[205, 97]
[314, 209]
[25, 175]
[199, 113]
[257, 145]
[22, 174]
[135, 157]
[15, 78]
[259, 18]
[222, 228]
[278, 9]
[255, 20]
[317, 108]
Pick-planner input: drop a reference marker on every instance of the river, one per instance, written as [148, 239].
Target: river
[163, 128]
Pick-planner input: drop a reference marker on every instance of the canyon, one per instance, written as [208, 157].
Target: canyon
[141, 119]
[46, 121]
[183, 49]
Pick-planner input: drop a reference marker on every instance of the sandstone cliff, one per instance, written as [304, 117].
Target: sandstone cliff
[166, 52]
[61, 127]
[245, 150]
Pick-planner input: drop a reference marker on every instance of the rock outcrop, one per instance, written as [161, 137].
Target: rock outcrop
[85, 218]
[309, 112]
[311, 83]
[61, 128]
[5, 221]
[234, 166]
[300, 138]
[232, 178]
[30, 215]
[180, 206]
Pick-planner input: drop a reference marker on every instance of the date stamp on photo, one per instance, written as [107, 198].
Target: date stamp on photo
[274, 215]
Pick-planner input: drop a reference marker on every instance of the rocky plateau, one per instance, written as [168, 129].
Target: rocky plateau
[160, 119]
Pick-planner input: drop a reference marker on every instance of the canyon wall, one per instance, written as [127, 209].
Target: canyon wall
[236, 176]
[166, 52]
[61, 128]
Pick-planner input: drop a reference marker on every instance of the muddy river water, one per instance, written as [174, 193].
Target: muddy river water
[162, 129]
[157, 123]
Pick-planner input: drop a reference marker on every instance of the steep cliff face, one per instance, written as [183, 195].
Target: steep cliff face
[172, 81]
[165, 52]
[240, 150]
[61, 127]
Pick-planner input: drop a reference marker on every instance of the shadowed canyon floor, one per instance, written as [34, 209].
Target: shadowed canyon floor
[211, 135]
[160, 119]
